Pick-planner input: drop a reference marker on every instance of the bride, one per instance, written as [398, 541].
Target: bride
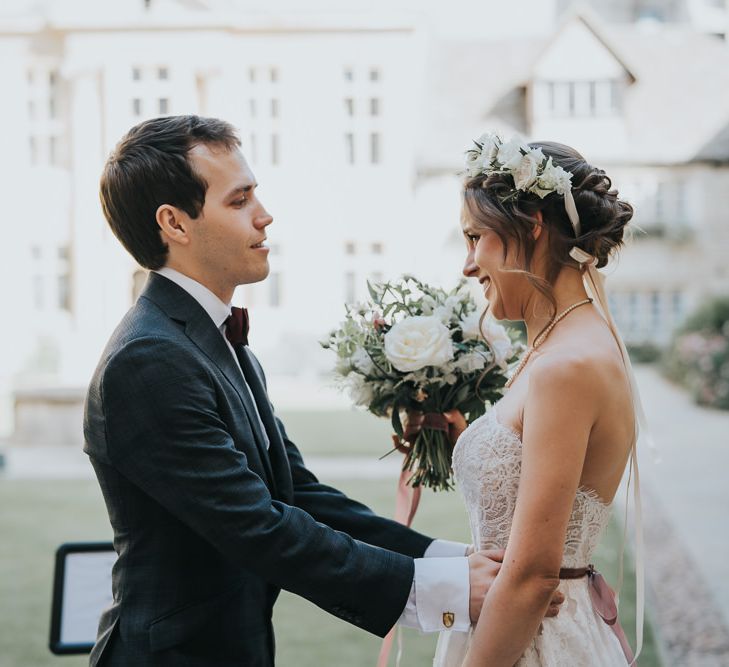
[538, 472]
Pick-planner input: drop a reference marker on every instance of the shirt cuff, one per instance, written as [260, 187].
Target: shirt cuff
[445, 549]
[439, 597]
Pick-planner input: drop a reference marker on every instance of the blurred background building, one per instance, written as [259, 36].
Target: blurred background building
[354, 120]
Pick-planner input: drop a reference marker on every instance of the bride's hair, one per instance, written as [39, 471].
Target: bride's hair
[489, 202]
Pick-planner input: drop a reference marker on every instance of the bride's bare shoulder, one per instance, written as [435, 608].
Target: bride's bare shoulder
[575, 367]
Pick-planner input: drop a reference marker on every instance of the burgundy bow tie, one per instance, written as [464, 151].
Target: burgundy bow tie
[236, 326]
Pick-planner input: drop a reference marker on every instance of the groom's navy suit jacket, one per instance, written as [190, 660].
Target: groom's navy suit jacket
[208, 523]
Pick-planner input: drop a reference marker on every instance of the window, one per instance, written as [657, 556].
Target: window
[64, 292]
[660, 202]
[349, 287]
[252, 107]
[137, 106]
[349, 147]
[252, 74]
[274, 108]
[163, 105]
[35, 252]
[38, 291]
[33, 145]
[348, 74]
[677, 305]
[274, 75]
[377, 248]
[64, 253]
[374, 74]
[350, 248]
[374, 106]
[275, 157]
[254, 149]
[681, 212]
[274, 290]
[53, 150]
[136, 74]
[53, 78]
[163, 73]
[349, 106]
[583, 98]
[655, 311]
[51, 107]
[31, 109]
[375, 148]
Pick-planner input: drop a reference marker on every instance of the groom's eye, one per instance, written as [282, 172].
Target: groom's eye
[239, 202]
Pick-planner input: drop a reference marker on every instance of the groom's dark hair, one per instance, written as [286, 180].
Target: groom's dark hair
[150, 167]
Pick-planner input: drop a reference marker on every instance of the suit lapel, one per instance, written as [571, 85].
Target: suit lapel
[277, 448]
[201, 330]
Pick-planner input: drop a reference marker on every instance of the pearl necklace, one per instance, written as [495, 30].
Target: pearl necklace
[541, 338]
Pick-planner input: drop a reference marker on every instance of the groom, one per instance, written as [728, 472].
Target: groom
[212, 507]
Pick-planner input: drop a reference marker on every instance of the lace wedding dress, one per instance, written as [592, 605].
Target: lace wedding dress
[487, 466]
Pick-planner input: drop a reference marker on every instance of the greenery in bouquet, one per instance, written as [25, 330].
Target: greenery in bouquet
[698, 357]
[413, 347]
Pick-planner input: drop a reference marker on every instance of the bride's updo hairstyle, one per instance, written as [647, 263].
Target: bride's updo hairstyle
[490, 202]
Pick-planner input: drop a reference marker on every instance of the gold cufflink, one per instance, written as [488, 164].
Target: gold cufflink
[448, 618]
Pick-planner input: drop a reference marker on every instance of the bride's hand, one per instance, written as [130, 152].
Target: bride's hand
[456, 424]
[414, 423]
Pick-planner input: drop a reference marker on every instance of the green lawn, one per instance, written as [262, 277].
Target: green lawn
[37, 516]
[338, 432]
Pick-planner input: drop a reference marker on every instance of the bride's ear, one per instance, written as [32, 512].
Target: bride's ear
[538, 225]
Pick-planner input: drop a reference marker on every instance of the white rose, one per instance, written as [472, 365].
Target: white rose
[511, 153]
[470, 326]
[473, 361]
[416, 342]
[526, 173]
[499, 342]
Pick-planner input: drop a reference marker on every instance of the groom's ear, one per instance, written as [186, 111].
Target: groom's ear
[173, 224]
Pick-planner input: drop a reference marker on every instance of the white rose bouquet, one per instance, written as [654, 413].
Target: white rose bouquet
[418, 348]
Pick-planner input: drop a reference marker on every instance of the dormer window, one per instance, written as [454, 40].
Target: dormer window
[583, 98]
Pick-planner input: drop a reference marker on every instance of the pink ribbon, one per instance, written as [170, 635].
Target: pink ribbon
[603, 602]
[406, 504]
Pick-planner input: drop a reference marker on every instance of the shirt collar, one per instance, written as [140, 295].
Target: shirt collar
[211, 304]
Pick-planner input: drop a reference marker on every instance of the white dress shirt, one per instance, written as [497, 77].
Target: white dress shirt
[441, 582]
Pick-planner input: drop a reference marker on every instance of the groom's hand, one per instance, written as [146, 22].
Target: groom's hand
[483, 567]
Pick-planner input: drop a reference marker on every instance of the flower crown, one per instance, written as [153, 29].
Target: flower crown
[532, 172]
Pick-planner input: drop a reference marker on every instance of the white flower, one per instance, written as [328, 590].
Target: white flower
[490, 150]
[472, 361]
[498, 341]
[360, 391]
[446, 311]
[526, 173]
[552, 179]
[470, 326]
[416, 342]
[428, 304]
[474, 164]
[362, 362]
[511, 153]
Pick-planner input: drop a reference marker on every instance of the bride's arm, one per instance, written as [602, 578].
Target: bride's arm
[559, 413]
